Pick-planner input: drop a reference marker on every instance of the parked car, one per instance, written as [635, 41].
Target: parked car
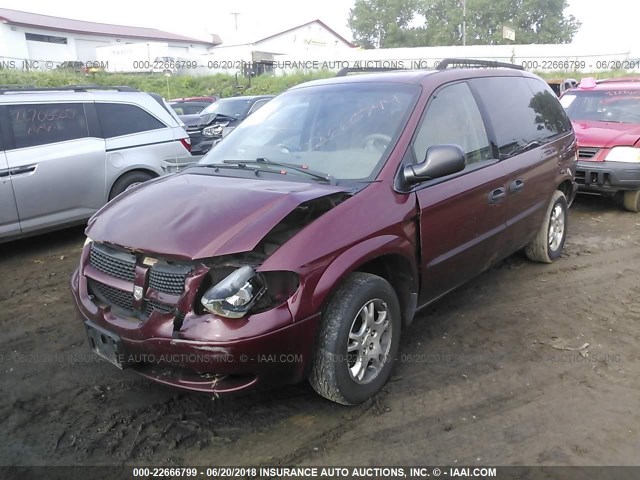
[190, 105]
[606, 119]
[559, 86]
[74, 66]
[205, 129]
[302, 246]
[64, 152]
[80, 67]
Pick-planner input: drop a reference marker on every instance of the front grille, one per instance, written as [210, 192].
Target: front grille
[163, 277]
[112, 296]
[587, 152]
[152, 305]
[168, 278]
[112, 262]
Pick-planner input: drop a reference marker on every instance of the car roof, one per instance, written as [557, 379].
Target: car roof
[609, 84]
[246, 97]
[418, 77]
[193, 99]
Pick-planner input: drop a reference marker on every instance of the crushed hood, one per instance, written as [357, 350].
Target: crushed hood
[202, 120]
[193, 216]
[606, 134]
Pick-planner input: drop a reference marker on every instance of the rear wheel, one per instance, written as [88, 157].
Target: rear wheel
[547, 246]
[632, 201]
[128, 180]
[358, 340]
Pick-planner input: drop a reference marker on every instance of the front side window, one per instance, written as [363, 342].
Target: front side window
[40, 124]
[117, 119]
[617, 106]
[342, 130]
[453, 117]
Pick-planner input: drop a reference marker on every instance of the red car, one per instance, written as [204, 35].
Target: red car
[606, 119]
[304, 243]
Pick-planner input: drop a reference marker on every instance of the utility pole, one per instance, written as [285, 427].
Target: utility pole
[235, 18]
[464, 22]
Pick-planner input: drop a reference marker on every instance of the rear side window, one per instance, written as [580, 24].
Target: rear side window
[550, 114]
[40, 124]
[117, 119]
[521, 111]
[453, 117]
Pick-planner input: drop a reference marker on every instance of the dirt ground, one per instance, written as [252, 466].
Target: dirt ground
[493, 374]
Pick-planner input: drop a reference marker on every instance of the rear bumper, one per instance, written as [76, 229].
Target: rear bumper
[607, 177]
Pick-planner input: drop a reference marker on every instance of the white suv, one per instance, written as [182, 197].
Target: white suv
[65, 152]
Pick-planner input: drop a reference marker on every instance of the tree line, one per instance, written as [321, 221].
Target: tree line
[423, 23]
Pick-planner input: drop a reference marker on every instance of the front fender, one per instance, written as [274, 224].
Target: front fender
[350, 260]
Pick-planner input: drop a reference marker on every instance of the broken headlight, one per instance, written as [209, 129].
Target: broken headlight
[247, 291]
[214, 130]
[235, 295]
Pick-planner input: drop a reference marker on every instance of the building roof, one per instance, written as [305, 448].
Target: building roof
[340, 37]
[27, 19]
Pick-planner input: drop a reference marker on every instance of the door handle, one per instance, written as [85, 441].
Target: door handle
[14, 172]
[497, 195]
[516, 186]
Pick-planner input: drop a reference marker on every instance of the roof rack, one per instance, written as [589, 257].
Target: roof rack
[346, 71]
[67, 88]
[473, 63]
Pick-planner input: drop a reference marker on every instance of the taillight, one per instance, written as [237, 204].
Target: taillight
[186, 143]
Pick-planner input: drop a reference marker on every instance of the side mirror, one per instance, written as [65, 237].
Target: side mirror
[440, 161]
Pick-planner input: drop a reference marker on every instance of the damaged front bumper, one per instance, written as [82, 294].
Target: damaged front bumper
[199, 352]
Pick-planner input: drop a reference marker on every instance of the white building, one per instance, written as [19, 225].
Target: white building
[311, 39]
[34, 37]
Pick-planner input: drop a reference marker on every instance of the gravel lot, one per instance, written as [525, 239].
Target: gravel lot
[492, 374]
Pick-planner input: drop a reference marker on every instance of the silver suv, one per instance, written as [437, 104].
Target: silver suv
[65, 152]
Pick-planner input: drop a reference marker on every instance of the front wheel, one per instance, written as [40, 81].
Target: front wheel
[547, 246]
[632, 201]
[358, 340]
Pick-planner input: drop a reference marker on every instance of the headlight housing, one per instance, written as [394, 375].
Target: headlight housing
[87, 241]
[245, 291]
[214, 130]
[624, 154]
[234, 296]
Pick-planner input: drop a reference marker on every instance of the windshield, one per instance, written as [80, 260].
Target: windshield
[230, 107]
[622, 106]
[345, 131]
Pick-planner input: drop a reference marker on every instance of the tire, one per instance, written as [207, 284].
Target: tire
[337, 374]
[128, 180]
[632, 201]
[543, 248]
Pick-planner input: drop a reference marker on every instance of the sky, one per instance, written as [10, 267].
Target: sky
[611, 24]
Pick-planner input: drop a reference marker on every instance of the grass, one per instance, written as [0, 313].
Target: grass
[221, 85]
[169, 87]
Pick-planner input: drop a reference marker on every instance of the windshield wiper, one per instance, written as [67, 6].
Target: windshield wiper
[232, 164]
[324, 177]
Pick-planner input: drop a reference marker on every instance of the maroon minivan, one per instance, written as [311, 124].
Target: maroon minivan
[305, 242]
